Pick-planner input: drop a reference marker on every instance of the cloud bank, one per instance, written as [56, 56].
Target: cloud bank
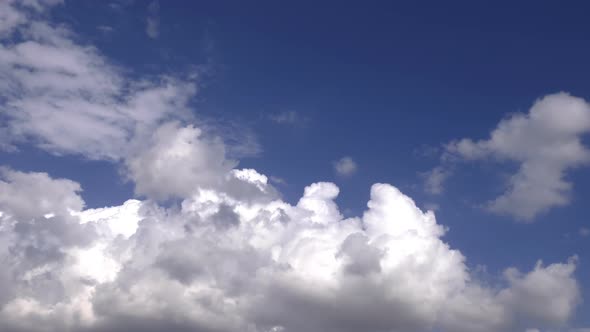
[219, 262]
[228, 254]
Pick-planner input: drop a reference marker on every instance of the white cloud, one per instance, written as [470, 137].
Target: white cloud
[221, 263]
[176, 161]
[12, 17]
[9, 17]
[29, 195]
[584, 231]
[37, 232]
[345, 166]
[545, 143]
[552, 305]
[72, 100]
[231, 255]
[152, 28]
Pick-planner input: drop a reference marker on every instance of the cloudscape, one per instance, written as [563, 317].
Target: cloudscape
[274, 167]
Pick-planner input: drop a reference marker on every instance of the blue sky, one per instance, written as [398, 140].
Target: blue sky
[290, 89]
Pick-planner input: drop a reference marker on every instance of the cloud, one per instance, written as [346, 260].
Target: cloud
[584, 232]
[288, 118]
[345, 166]
[152, 28]
[221, 263]
[240, 140]
[105, 29]
[434, 179]
[13, 13]
[176, 161]
[9, 17]
[227, 253]
[37, 232]
[74, 101]
[431, 206]
[278, 180]
[545, 143]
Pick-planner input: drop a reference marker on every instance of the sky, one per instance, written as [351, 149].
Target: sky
[299, 166]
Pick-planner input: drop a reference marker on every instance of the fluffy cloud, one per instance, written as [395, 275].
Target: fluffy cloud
[176, 161]
[545, 143]
[37, 235]
[73, 100]
[9, 17]
[13, 13]
[227, 254]
[221, 263]
[27, 196]
[345, 166]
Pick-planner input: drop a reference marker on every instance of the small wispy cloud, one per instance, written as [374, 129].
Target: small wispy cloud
[434, 180]
[431, 206]
[584, 232]
[119, 6]
[288, 118]
[152, 28]
[277, 180]
[105, 29]
[345, 166]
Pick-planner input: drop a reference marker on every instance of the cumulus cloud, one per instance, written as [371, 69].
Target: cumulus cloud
[227, 254]
[37, 234]
[176, 161]
[345, 166]
[545, 143]
[75, 101]
[220, 263]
